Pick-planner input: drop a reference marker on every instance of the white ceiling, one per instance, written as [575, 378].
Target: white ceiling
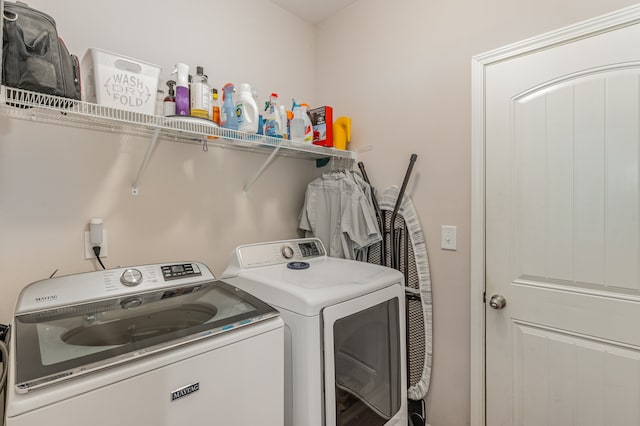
[313, 11]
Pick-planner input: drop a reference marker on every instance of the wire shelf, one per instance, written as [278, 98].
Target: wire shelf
[23, 104]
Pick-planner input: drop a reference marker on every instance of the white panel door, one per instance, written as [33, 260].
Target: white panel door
[562, 213]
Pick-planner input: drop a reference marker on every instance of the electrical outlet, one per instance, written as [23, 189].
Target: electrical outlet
[88, 248]
[448, 237]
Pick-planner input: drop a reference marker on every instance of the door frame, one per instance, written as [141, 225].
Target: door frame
[479, 63]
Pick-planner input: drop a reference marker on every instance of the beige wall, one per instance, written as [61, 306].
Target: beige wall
[191, 206]
[402, 70]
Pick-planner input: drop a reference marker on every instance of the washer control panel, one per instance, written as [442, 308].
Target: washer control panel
[182, 270]
[122, 282]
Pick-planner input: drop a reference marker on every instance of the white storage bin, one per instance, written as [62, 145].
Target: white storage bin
[118, 81]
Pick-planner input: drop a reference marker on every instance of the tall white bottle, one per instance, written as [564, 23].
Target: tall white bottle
[246, 109]
[297, 124]
[182, 89]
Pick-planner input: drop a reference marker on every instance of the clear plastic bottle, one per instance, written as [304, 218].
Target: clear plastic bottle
[228, 116]
[282, 112]
[200, 95]
[297, 124]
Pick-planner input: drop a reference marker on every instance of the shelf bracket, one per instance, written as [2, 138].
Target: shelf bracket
[266, 164]
[147, 157]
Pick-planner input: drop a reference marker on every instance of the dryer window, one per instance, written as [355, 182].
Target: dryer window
[367, 366]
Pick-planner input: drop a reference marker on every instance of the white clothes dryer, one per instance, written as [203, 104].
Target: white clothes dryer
[345, 360]
[146, 345]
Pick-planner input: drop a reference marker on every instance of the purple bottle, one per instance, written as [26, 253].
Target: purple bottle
[182, 89]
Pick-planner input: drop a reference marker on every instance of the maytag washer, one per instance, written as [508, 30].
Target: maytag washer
[162, 344]
[345, 358]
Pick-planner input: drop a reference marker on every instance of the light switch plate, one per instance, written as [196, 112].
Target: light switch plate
[448, 237]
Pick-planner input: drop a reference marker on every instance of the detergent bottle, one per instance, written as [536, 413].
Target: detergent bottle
[228, 118]
[272, 120]
[246, 109]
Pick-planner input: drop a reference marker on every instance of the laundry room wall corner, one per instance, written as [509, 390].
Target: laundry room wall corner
[191, 205]
[402, 70]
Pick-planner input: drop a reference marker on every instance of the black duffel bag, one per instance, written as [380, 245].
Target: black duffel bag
[34, 57]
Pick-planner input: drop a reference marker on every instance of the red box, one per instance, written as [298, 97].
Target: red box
[322, 122]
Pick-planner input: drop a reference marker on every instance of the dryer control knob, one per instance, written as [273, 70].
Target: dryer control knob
[131, 277]
[287, 252]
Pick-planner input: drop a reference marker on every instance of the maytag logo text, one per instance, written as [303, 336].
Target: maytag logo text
[185, 391]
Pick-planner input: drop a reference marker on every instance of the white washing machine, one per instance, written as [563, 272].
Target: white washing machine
[147, 345]
[345, 350]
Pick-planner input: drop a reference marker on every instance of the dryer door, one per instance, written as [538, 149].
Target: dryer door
[365, 363]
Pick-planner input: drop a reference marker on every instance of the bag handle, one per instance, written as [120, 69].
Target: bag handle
[10, 16]
[13, 15]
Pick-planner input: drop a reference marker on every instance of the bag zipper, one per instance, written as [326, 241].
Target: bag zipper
[60, 52]
[76, 70]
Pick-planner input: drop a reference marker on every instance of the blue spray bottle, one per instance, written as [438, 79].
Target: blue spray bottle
[272, 122]
[229, 118]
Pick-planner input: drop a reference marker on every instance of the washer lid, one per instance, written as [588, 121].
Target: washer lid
[326, 282]
[66, 342]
